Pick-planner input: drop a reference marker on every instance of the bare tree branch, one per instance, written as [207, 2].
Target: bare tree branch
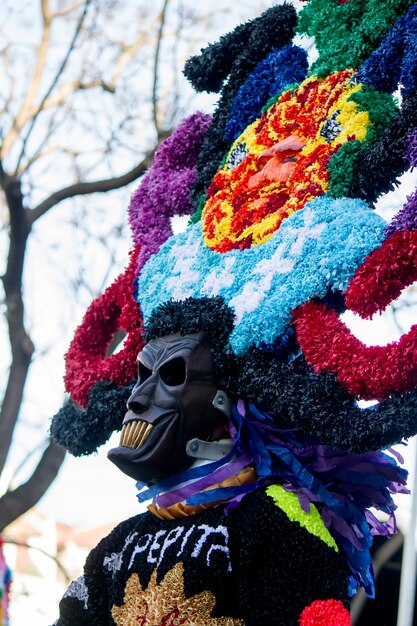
[156, 66]
[84, 188]
[67, 10]
[44, 151]
[22, 115]
[116, 341]
[397, 324]
[27, 458]
[8, 99]
[46, 12]
[43, 148]
[21, 345]
[128, 51]
[64, 572]
[47, 113]
[15, 503]
[61, 95]
[55, 80]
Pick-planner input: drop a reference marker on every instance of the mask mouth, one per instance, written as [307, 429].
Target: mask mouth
[141, 453]
[139, 437]
[135, 433]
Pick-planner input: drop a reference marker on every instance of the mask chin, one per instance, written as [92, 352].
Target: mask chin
[159, 457]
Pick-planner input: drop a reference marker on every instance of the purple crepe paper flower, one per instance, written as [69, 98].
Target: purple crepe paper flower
[407, 216]
[165, 189]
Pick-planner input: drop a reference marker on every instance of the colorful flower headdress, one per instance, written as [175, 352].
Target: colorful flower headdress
[282, 238]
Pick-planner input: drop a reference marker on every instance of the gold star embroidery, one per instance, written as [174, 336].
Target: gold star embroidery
[165, 604]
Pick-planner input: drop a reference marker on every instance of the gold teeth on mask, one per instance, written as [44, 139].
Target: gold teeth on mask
[135, 433]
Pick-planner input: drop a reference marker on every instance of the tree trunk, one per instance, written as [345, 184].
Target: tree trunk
[20, 343]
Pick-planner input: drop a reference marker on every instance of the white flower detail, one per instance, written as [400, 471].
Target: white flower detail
[78, 590]
[305, 232]
[182, 282]
[113, 562]
[256, 290]
[281, 262]
[216, 281]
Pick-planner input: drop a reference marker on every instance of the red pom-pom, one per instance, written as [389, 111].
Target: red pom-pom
[325, 613]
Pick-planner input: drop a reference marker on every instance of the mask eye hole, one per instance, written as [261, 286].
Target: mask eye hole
[143, 372]
[173, 372]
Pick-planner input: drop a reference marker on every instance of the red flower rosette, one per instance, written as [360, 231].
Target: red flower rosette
[368, 372]
[86, 360]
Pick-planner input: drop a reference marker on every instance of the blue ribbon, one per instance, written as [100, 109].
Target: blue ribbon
[342, 486]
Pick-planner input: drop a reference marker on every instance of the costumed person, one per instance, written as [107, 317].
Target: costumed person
[5, 582]
[262, 473]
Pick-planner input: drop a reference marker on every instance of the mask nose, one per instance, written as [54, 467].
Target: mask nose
[141, 397]
[137, 406]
